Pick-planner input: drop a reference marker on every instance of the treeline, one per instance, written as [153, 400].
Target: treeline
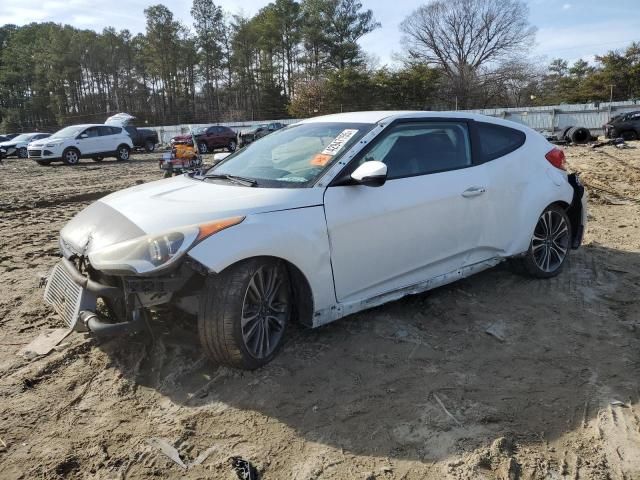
[293, 58]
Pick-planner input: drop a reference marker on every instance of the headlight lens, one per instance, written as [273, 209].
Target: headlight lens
[149, 253]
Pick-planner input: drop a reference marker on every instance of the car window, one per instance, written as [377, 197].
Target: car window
[117, 130]
[411, 149]
[497, 140]
[104, 131]
[92, 132]
[40, 136]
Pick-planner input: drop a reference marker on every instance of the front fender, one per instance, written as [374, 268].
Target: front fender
[298, 236]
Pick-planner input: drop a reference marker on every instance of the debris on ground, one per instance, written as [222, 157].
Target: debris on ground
[44, 343]
[497, 330]
[243, 468]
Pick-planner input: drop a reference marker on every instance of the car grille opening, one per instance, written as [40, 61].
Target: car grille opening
[64, 295]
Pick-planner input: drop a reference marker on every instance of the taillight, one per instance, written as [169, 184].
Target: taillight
[556, 158]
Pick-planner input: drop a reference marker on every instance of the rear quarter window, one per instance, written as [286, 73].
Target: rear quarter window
[497, 140]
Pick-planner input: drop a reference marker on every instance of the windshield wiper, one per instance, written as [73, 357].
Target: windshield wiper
[247, 182]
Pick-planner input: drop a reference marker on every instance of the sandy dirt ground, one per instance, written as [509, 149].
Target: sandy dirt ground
[411, 390]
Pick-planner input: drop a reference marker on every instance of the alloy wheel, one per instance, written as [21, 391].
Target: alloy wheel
[232, 146]
[124, 153]
[550, 242]
[72, 157]
[203, 147]
[265, 311]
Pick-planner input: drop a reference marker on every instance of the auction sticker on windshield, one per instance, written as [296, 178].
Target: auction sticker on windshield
[340, 141]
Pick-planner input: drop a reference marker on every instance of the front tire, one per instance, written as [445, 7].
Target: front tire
[629, 135]
[149, 146]
[202, 147]
[232, 146]
[244, 312]
[123, 153]
[22, 153]
[71, 156]
[550, 244]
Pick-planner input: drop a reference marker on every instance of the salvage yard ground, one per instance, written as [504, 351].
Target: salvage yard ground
[415, 389]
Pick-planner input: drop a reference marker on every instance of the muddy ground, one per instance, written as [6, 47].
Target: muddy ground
[557, 397]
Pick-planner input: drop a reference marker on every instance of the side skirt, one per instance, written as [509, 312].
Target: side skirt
[335, 312]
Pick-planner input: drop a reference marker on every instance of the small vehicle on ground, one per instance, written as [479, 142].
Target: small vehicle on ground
[71, 144]
[210, 138]
[319, 220]
[17, 146]
[143, 138]
[9, 136]
[626, 126]
[260, 131]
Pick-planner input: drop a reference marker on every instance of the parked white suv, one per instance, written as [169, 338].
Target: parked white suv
[71, 144]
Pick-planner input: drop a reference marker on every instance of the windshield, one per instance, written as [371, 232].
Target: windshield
[294, 156]
[67, 132]
[198, 130]
[25, 137]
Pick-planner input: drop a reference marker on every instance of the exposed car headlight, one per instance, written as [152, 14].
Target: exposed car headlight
[149, 253]
[50, 145]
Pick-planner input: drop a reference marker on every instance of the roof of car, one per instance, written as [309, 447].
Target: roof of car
[374, 117]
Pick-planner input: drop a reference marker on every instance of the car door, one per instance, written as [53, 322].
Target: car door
[211, 137]
[423, 222]
[89, 141]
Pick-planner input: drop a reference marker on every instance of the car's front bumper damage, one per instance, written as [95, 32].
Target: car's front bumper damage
[83, 298]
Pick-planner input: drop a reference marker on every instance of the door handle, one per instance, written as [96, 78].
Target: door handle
[473, 192]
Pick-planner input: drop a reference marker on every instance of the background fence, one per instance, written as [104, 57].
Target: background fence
[552, 118]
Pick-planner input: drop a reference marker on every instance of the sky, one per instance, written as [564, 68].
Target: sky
[571, 29]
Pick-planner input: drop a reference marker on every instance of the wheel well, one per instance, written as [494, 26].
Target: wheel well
[302, 294]
[123, 145]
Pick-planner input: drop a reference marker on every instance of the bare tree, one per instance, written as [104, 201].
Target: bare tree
[466, 38]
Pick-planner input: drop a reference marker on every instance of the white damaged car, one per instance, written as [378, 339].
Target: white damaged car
[316, 221]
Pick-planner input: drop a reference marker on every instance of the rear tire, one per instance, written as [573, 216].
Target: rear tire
[123, 152]
[71, 156]
[549, 246]
[244, 312]
[149, 146]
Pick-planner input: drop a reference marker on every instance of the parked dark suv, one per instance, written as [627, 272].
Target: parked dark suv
[626, 126]
[260, 131]
[210, 138]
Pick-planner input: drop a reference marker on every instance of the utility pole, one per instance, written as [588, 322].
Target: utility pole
[610, 98]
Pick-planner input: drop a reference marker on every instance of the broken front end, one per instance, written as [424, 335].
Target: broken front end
[111, 273]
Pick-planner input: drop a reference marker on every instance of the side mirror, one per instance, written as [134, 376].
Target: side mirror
[83, 135]
[371, 174]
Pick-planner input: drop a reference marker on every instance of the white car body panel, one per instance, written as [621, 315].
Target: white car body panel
[405, 225]
[298, 236]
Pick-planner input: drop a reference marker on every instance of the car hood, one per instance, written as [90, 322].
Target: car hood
[43, 141]
[8, 144]
[166, 204]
